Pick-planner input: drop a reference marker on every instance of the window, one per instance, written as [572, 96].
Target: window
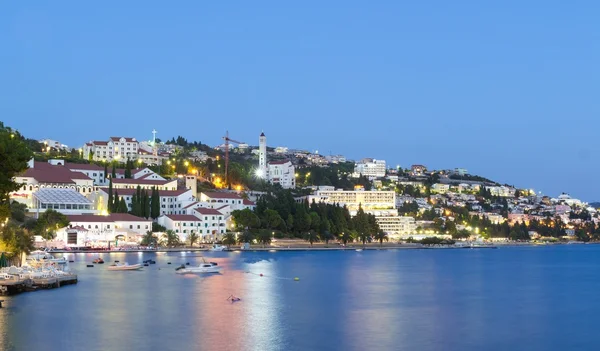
[138, 226]
[96, 226]
[94, 174]
[108, 226]
[131, 226]
[146, 226]
[184, 224]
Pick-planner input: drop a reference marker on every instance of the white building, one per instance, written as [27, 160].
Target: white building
[65, 201]
[218, 199]
[55, 144]
[281, 150]
[144, 183]
[99, 231]
[275, 172]
[116, 148]
[41, 175]
[440, 188]
[171, 201]
[502, 191]
[370, 168]
[208, 223]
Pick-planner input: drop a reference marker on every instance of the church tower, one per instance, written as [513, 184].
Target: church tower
[262, 155]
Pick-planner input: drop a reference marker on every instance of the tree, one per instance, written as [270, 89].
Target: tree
[245, 237]
[128, 167]
[311, 236]
[114, 206]
[193, 238]
[245, 219]
[155, 204]
[170, 239]
[114, 171]
[264, 237]
[461, 234]
[109, 207]
[149, 239]
[290, 222]
[271, 219]
[301, 219]
[135, 205]
[346, 236]
[105, 171]
[327, 236]
[122, 206]
[229, 239]
[49, 222]
[315, 221]
[363, 237]
[16, 239]
[381, 236]
[158, 228]
[14, 155]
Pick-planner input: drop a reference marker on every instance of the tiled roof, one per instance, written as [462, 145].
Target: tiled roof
[100, 143]
[113, 217]
[141, 181]
[281, 162]
[218, 195]
[192, 204]
[130, 192]
[129, 140]
[189, 218]
[248, 203]
[207, 211]
[44, 172]
[83, 166]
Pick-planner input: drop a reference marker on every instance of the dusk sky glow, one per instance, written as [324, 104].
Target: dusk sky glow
[507, 90]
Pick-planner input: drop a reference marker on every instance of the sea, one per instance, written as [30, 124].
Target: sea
[513, 298]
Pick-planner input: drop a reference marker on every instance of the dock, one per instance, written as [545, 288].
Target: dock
[17, 285]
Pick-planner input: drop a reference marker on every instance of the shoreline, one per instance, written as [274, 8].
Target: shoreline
[323, 248]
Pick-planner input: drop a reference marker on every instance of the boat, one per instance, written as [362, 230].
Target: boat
[202, 268]
[98, 260]
[124, 267]
[359, 250]
[44, 256]
[218, 248]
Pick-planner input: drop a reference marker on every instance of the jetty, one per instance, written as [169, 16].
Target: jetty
[16, 284]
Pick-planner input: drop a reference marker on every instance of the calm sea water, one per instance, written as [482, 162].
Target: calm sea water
[535, 298]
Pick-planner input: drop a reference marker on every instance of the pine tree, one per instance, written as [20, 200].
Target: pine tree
[128, 167]
[105, 171]
[135, 205]
[122, 206]
[114, 206]
[114, 171]
[148, 209]
[110, 197]
[155, 204]
[143, 199]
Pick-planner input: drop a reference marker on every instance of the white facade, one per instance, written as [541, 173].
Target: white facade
[371, 168]
[502, 191]
[98, 231]
[171, 201]
[282, 173]
[440, 188]
[262, 155]
[208, 223]
[116, 148]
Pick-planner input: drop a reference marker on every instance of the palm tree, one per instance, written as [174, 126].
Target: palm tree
[311, 236]
[363, 237]
[345, 237]
[229, 239]
[327, 236]
[381, 236]
[193, 238]
[149, 239]
[170, 238]
[264, 237]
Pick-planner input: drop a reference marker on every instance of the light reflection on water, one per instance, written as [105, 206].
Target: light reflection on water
[539, 299]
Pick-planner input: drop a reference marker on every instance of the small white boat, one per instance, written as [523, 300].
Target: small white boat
[218, 248]
[125, 267]
[359, 250]
[203, 268]
[39, 256]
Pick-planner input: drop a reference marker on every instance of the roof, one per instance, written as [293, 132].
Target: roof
[130, 192]
[113, 217]
[219, 195]
[189, 218]
[100, 142]
[141, 181]
[83, 166]
[262, 134]
[61, 196]
[44, 172]
[248, 202]
[207, 211]
[129, 140]
[192, 204]
[280, 162]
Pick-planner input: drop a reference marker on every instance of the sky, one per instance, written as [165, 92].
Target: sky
[506, 89]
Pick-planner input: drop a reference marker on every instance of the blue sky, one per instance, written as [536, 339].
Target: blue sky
[506, 89]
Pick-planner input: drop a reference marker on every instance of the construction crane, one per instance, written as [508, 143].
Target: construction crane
[227, 141]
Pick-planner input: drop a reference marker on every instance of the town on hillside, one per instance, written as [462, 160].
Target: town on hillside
[122, 191]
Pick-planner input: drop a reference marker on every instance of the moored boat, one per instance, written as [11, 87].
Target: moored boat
[124, 267]
[203, 268]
